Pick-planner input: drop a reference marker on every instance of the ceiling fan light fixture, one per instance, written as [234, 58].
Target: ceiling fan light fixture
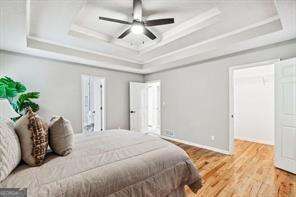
[139, 24]
[137, 28]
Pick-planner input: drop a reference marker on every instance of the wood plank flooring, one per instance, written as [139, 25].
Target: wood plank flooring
[249, 172]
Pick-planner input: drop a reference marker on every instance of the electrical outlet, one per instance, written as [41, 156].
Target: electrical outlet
[213, 138]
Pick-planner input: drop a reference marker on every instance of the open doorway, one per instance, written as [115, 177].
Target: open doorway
[145, 110]
[252, 104]
[93, 100]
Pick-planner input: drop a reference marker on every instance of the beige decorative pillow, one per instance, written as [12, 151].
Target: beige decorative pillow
[33, 135]
[10, 150]
[61, 136]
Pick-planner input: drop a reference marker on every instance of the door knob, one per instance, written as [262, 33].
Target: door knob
[132, 112]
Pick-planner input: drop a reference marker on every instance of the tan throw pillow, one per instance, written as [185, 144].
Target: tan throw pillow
[61, 136]
[10, 150]
[33, 135]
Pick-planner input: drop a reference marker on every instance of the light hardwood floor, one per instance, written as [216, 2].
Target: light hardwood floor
[249, 172]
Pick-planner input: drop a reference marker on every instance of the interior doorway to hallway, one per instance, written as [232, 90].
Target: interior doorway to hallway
[252, 103]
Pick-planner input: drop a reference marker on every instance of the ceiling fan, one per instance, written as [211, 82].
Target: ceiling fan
[139, 25]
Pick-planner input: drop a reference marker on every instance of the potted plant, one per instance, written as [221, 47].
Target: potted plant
[15, 93]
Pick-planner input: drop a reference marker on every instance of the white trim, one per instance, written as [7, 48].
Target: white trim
[52, 43]
[84, 32]
[191, 47]
[104, 111]
[28, 17]
[231, 96]
[192, 25]
[197, 145]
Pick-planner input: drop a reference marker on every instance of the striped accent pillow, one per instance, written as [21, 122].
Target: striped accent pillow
[10, 150]
[33, 135]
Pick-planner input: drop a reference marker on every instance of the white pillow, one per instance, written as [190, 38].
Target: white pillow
[10, 150]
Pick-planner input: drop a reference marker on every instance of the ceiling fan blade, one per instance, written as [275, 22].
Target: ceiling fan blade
[137, 10]
[125, 33]
[114, 20]
[156, 22]
[149, 34]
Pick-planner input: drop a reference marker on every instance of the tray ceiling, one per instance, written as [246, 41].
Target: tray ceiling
[72, 31]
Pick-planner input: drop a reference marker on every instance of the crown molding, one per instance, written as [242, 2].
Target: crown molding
[47, 45]
[86, 33]
[190, 26]
[269, 25]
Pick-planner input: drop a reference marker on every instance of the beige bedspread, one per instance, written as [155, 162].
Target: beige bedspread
[113, 163]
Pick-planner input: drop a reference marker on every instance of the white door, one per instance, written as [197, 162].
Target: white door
[285, 115]
[138, 106]
[98, 105]
[153, 117]
[92, 101]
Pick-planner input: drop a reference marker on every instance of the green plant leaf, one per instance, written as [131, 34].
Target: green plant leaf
[11, 89]
[25, 101]
[2, 91]
[20, 87]
[29, 95]
[22, 106]
[34, 106]
[11, 92]
[8, 82]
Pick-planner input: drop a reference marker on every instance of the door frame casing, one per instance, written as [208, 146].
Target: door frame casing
[231, 97]
[103, 82]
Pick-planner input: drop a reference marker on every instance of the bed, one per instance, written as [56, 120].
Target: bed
[112, 163]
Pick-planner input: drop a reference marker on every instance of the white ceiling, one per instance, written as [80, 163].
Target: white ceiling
[70, 30]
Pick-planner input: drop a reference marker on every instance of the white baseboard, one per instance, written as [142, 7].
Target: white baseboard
[255, 140]
[226, 152]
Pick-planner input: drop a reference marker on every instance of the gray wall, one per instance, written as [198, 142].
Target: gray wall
[60, 87]
[196, 97]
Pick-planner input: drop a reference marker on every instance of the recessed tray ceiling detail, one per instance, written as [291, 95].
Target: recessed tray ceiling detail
[71, 31]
